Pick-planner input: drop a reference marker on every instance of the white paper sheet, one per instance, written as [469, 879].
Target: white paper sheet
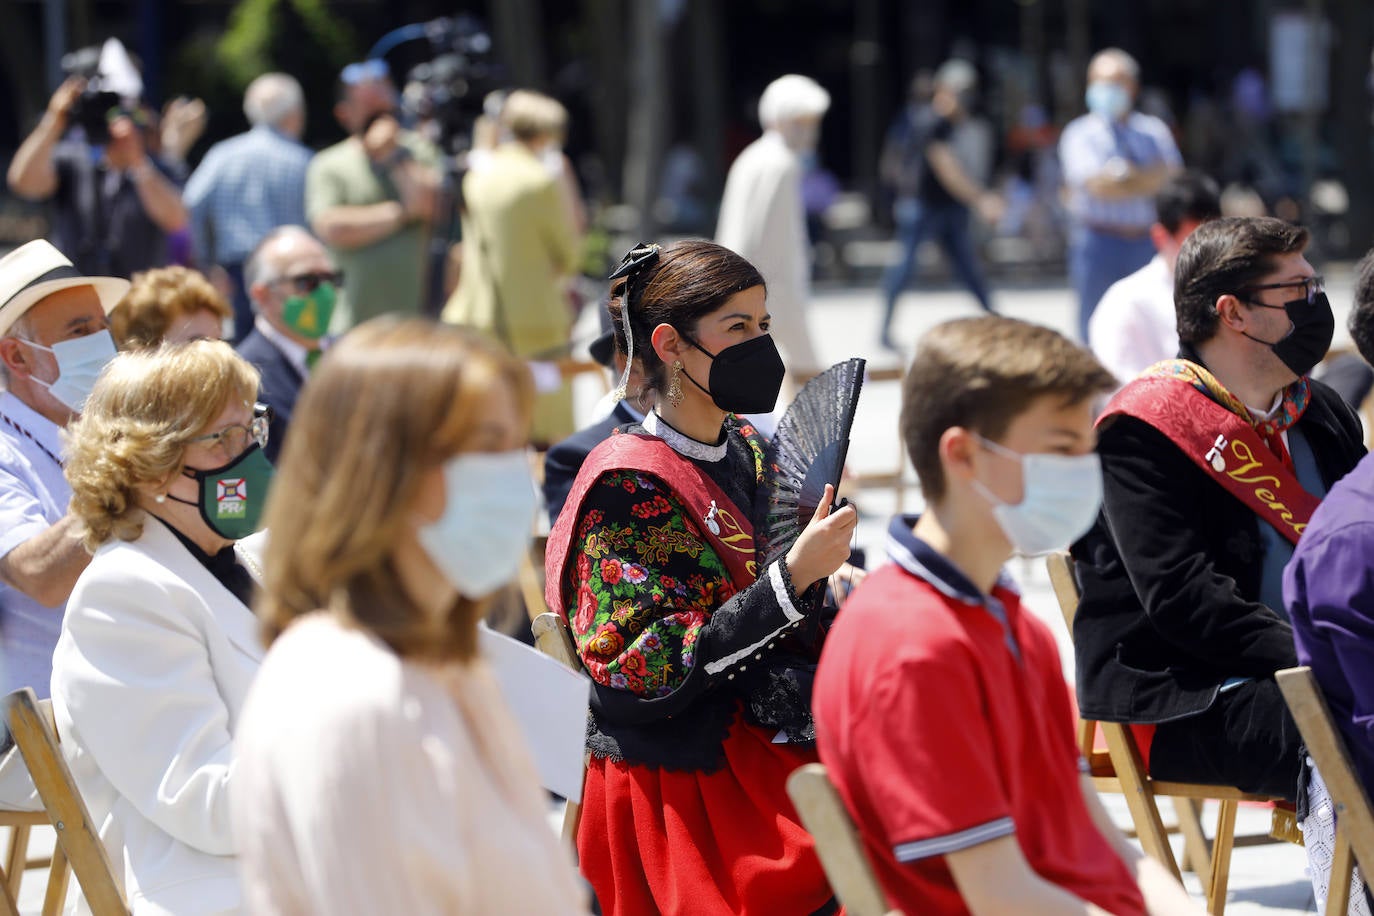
[550, 704]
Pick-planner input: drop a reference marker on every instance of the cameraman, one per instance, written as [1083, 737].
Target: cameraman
[113, 206]
[373, 197]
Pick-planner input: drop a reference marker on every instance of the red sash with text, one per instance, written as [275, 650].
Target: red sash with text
[711, 515]
[1226, 447]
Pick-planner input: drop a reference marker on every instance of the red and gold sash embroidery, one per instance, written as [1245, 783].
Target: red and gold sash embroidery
[1221, 439]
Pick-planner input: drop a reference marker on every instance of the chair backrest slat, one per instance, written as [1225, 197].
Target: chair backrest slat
[1065, 585]
[35, 735]
[837, 841]
[1328, 749]
[551, 637]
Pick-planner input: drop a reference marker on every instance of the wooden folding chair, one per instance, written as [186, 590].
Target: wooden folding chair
[531, 578]
[552, 637]
[571, 367]
[1123, 770]
[531, 574]
[837, 842]
[17, 860]
[1354, 818]
[35, 734]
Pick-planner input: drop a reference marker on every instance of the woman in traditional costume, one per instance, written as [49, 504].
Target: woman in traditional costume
[700, 660]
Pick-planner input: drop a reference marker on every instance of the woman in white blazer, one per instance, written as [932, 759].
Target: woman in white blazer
[159, 646]
[378, 768]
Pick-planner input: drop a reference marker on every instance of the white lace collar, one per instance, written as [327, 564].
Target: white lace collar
[681, 443]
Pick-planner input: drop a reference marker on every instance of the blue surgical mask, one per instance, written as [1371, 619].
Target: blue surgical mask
[489, 509]
[1110, 100]
[1062, 496]
[79, 362]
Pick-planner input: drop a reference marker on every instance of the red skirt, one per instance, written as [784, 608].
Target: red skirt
[664, 841]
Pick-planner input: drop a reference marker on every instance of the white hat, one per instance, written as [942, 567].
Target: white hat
[792, 96]
[35, 271]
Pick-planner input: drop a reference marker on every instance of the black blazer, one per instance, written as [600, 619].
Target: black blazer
[563, 460]
[1171, 574]
[281, 385]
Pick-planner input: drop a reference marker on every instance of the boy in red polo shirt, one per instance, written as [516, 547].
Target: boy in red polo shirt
[941, 708]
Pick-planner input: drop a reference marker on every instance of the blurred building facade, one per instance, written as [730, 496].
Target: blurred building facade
[662, 93]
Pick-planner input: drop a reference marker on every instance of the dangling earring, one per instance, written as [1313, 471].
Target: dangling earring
[675, 385]
[160, 498]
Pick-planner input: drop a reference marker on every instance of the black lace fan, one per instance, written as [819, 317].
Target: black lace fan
[807, 452]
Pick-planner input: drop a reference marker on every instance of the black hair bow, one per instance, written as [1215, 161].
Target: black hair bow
[637, 258]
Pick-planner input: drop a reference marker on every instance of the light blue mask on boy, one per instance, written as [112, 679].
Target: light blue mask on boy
[1062, 496]
[489, 509]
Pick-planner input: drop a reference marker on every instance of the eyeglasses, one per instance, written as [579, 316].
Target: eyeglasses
[1312, 288]
[234, 440]
[364, 71]
[309, 282]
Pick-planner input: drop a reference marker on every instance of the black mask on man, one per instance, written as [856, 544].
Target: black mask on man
[745, 377]
[1313, 327]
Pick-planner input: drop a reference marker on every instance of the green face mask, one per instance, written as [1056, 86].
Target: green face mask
[309, 315]
[232, 496]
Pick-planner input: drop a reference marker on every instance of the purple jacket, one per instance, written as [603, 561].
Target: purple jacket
[1329, 590]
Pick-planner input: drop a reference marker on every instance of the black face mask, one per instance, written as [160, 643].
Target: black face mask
[1313, 327]
[745, 377]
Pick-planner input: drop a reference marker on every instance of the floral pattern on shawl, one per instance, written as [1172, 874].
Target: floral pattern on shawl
[645, 583]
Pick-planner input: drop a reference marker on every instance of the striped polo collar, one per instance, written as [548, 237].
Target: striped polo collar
[929, 565]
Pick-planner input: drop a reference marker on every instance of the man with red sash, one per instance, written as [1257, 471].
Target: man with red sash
[1212, 465]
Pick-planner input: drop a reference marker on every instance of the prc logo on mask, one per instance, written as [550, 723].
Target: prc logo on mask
[231, 497]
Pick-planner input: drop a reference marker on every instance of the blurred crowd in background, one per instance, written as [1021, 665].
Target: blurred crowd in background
[663, 96]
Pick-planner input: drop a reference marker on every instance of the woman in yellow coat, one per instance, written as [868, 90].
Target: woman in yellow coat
[520, 245]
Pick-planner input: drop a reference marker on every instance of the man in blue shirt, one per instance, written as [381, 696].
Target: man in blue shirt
[251, 183]
[54, 340]
[1115, 160]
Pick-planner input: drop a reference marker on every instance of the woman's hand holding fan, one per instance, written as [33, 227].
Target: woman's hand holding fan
[823, 546]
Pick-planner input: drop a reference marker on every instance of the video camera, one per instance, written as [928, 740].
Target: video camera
[447, 90]
[95, 107]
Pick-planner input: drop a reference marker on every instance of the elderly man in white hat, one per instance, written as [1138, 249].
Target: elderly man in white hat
[762, 217]
[54, 340]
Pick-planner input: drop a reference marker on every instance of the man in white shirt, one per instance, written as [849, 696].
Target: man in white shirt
[1135, 325]
[294, 285]
[54, 339]
[761, 214]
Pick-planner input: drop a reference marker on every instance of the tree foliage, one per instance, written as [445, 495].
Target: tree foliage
[301, 37]
[265, 34]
